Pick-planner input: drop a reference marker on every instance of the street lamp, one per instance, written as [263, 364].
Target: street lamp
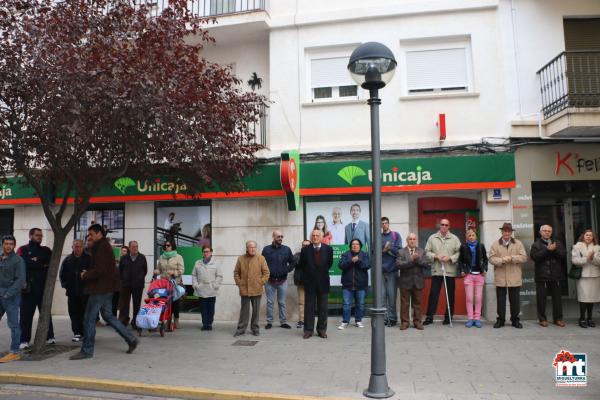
[372, 66]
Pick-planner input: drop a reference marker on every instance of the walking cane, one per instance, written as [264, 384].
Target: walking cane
[446, 290]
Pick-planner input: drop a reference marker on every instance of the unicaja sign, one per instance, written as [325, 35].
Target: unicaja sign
[415, 177]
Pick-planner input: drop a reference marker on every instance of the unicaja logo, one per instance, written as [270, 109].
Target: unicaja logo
[415, 177]
[570, 368]
[350, 172]
[123, 183]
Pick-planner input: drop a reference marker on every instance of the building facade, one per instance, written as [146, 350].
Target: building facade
[511, 149]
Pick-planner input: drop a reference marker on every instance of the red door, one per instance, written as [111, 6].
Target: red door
[461, 213]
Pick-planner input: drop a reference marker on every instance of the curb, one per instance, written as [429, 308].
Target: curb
[145, 389]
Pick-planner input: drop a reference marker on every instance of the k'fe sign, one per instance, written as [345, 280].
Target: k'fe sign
[571, 164]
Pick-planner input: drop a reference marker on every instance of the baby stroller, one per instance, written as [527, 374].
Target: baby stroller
[156, 312]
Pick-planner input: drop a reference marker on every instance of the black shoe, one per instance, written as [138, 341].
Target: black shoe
[268, 325]
[286, 326]
[428, 321]
[132, 346]
[499, 324]
[583, 323]
[256, 333]
[516, 324]
[299, 324]
[209, 328]
[591, 323]
[446, 321]
[238, 333]
[392, 324]
[204, 328]
[80, 356]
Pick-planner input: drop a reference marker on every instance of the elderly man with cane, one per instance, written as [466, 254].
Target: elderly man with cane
[443, 248]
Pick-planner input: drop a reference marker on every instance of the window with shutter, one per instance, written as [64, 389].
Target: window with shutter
[329, 79]
[437, 65]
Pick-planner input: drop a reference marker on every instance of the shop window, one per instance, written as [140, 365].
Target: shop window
[111, 217]
[437, 66]
[330, 80]
[6, 222]
[188, 225]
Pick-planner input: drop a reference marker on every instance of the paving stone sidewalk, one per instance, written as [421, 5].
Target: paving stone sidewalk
[437, 363]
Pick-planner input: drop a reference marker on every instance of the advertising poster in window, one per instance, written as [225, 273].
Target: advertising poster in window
[188, 227]
[112, 219]
[341, 221]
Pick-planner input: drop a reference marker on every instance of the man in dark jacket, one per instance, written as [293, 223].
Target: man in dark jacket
[12, 278]
[549, 256]
[101, 281]
[391, 242]
[133, 268]
[316, 260]
[411, 262]
[37, 260]
[280, 261]
[298, 281]
[70, 279]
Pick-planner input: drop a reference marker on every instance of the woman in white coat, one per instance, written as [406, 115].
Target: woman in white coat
[586, 254]
[206, 280]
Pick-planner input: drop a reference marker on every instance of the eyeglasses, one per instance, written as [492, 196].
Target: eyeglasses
[444, 224]
[206, 251]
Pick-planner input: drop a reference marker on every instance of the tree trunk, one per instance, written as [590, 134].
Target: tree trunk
[46, 310]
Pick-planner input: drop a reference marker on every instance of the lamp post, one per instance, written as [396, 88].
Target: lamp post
[372, 66]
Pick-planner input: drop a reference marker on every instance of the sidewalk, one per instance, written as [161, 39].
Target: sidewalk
[437, 363]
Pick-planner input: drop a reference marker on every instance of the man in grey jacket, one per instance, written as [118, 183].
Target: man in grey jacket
[12, 279]
[443, 248]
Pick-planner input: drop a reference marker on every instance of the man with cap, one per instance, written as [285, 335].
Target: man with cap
[507, 256]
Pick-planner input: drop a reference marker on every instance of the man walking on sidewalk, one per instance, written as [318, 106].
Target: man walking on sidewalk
[101, 281]
[70, 279]
[280, 260]
[12, 278]
[250, 274]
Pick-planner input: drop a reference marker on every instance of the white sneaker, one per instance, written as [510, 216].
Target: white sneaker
[359, 324]
[76, 338]
[51, 341]
[24, 345]
[343, 326]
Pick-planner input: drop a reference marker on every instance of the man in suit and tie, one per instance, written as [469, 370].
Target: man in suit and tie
[315, 261]
[357, 229]
[411, 262]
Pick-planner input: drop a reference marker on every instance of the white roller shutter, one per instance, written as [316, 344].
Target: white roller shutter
[436, 69]
[329, 72]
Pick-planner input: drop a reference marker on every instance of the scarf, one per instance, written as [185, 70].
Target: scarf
[473, 248]
[206, 260]
[169, 254]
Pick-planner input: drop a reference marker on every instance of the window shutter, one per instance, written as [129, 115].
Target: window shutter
[436, 69]
[582, 33]
[326, 72]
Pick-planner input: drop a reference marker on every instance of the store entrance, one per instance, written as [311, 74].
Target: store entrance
[6, 221]
[462, 214]
[570, 213]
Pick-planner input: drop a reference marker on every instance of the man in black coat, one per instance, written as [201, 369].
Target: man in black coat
[70, 279]
[316, 261]
[37, 260]
[133, 268]
[549, 256]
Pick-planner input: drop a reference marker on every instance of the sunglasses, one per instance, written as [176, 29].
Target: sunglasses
[168, 245]
[444, 224]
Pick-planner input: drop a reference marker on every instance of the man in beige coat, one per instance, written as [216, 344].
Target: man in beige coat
[507, 255]
[251, 273]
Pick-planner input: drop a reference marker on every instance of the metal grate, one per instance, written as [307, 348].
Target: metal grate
[245, 342]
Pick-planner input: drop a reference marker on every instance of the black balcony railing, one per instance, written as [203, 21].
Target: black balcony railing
[260, 127]
[571, 79]
[210, 8]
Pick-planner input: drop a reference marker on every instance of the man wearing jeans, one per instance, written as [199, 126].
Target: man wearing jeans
[12, 279]
[280, 261]
[101, 281]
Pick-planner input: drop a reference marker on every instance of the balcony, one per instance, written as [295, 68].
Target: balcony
[570, 88]
[211, 8]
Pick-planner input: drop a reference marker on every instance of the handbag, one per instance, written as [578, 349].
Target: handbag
[575, 272]
[178, 290]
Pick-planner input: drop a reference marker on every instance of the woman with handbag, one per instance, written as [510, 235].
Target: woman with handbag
[586, 257]
[170, 265]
